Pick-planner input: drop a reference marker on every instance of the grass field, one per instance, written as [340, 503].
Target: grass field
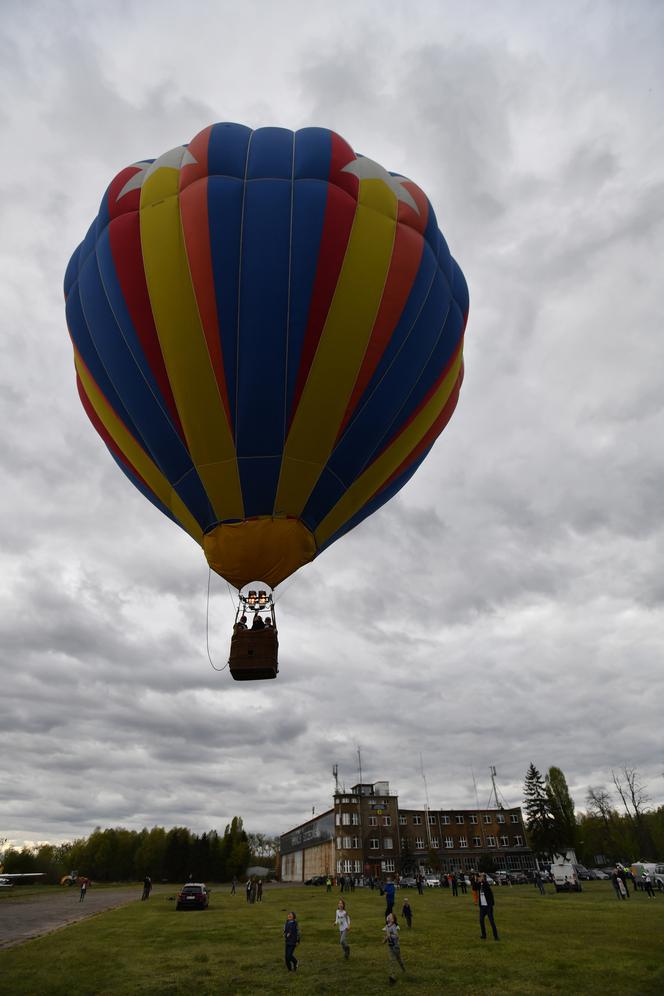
[573, 944]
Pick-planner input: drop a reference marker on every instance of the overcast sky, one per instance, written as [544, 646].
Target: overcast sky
[508, 605]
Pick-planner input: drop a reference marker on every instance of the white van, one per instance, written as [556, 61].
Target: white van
[563, 871]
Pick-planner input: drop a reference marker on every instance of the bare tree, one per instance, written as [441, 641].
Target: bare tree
[599, 804]
[634, 798]
[631, 790]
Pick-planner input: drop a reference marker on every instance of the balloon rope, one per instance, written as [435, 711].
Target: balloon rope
[207, 626]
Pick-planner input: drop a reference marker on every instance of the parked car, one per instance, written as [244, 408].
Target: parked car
[407, 882]
[316, 880]
[432, 881]
[193, 896]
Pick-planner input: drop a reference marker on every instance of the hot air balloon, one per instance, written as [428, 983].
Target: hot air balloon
[268, 333]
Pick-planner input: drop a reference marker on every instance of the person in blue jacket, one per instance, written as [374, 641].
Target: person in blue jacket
[389, 889]
[292, 938]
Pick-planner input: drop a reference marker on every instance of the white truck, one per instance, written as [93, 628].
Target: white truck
[563, 872]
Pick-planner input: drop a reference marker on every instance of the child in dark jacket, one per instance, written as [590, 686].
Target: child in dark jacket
[407, 912]
[292, 938]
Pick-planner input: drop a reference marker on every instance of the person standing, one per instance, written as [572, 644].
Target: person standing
[462, 883]
[407, 912]
[647, 885]
[391, 938]
[147, 887]
[420, 885]
[292, 939]
[455, 884]
[539, 882]
[389, 889]
[248, 890]
[328, 884]
[234, 885]
[84, 889]
[259, 891]
[474, 880]
[486, 904]
[342, 921]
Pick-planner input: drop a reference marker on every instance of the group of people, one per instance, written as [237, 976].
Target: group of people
[343, 923]
[482, 896]
[254, 890]
[258, 623]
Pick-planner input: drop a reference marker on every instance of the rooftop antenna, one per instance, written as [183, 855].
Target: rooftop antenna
[335, 774]
[495, 793]
[477, 803]
[426, 804]
[477, 796]
[359, 762]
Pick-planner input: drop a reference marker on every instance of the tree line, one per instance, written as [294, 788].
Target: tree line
[616, 825]
[120, 855]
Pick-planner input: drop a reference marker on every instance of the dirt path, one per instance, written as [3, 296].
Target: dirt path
[31, 916]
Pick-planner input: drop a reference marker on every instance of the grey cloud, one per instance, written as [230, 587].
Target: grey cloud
[506, 605]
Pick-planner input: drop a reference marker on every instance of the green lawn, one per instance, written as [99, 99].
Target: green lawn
[572, 944]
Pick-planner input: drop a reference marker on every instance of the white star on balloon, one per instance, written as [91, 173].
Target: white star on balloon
[174, 159]
[366, 169]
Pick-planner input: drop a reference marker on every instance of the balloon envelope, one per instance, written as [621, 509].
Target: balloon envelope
[268, 334]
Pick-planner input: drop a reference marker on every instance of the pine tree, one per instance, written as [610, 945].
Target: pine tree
[539, 824]
[561, 808]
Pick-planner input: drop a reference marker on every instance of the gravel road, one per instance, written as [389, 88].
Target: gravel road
[31, 916]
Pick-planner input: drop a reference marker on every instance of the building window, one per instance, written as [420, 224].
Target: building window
[487, 818]
[518, 841]
[358, 867]
[490, 841]
[373, 843]
[355, 819]
[504, 842]
[445, 820]
[387, 865]
[432, 819]
[345, 819]
[346, 843]
[387, 821]
[463, 842]
[514, 817]
[373, 821]
[435, 842]
[344, 800]
[339, 867]
[419, 843]
[338, 843]
[417, 821]
[355, 843]
[402, 821]
[459, 819]
[348, 866]
[477, 842]
[449, 842]
[337, 819]
[473, 820]
[500, 818]
[387, 843]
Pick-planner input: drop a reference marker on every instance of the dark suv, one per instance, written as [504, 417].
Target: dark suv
[193, 896]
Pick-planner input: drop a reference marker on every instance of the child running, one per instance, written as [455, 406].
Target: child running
[391, 931]
[342, 921]
[407, 912]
